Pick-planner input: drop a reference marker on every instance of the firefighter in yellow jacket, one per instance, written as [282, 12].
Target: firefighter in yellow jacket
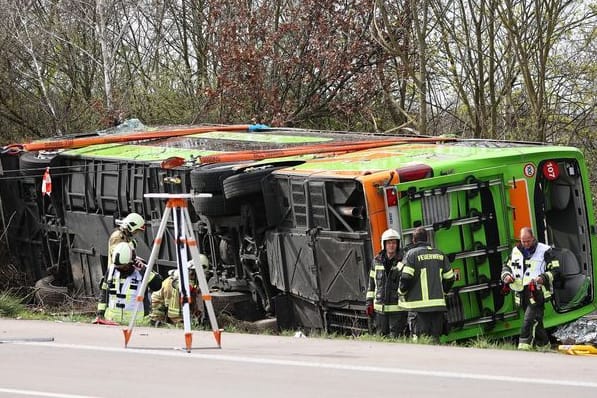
[166, 306]
[120, 286]
[129, 226]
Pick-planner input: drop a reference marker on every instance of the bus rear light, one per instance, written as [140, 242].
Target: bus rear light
[172, 162]
[391, 196]
[414, 172]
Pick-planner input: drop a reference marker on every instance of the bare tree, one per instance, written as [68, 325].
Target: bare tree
[480, 68]
[534, 28]
[402, 29]
[292, 62]
[475, 57]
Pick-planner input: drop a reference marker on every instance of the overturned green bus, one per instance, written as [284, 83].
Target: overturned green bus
[296, 215]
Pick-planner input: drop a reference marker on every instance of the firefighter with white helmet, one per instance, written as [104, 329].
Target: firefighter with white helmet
[382, 295]
[132, 224]
[166, 306]
[120, 286]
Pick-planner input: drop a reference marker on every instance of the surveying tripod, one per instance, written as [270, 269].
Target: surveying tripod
[185, 239]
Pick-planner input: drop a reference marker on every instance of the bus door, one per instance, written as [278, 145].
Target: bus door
[466, 216]
[562, 216]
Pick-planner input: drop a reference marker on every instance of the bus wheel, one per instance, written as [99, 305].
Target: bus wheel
[215, 206]
[246, 183]
[48, 294]
[34, 163]
[208, 178]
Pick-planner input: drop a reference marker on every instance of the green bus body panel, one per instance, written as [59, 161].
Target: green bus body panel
[138, 153]
[444, 157]
[483, 303]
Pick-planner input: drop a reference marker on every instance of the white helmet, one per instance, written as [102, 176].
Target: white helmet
[203, 261]
[389, 234]
[133, 222]
[123, 254]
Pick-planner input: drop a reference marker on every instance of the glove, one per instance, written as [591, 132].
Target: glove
[505, 289]
[139, 264]
[369, 310]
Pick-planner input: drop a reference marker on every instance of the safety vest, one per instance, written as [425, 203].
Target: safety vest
[122, 293]
[524, 271]
[426, 270]
[383, 285]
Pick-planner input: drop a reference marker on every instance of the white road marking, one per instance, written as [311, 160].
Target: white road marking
[31, 393]
[320, 365]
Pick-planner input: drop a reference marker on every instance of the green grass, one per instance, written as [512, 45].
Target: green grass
[10, 305]
[13, 306]
[484, 342]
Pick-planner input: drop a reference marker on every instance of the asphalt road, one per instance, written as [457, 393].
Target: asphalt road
[84, 360]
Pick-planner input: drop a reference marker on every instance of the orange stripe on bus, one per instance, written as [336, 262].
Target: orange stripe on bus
[373, 185]
[519, 199]
[141, 135]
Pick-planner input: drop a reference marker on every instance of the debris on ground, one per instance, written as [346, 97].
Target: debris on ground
[579, 332]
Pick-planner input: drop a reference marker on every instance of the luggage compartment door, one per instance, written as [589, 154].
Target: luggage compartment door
[467, 217]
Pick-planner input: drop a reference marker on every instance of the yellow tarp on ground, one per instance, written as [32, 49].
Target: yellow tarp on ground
[577, 349]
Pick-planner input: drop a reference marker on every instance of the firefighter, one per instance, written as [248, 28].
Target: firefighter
[426, 277]
[530, 272]
[382, 295]
[129, 226]
[119, 291]
[166, 305]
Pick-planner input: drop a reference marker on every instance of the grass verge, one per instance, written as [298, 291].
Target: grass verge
[12, 306]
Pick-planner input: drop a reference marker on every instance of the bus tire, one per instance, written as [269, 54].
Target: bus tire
[31, 164]
[48, 294]
[216, 206]
[246, 183]
[208, 178]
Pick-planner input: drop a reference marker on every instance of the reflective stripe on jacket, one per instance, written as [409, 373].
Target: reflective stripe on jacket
[426, 275]
[541, 263]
